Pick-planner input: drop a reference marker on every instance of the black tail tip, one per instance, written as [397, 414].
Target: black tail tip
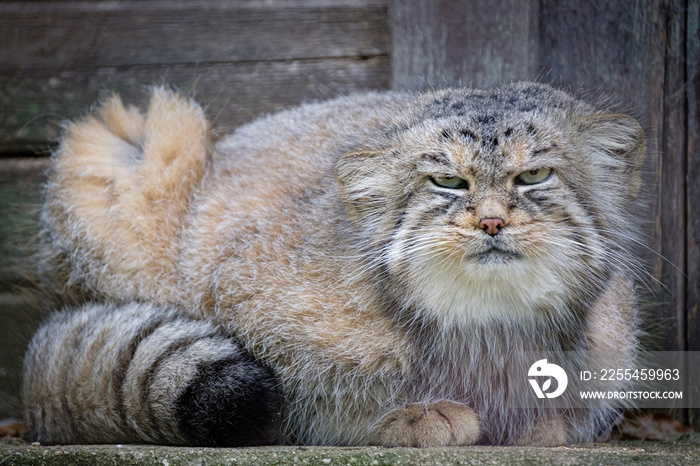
[231, 403]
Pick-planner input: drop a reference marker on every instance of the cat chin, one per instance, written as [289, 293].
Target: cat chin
[483, 291]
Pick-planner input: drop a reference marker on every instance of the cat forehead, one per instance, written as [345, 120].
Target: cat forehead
[527, 109]
[492, 104]
[501, 139]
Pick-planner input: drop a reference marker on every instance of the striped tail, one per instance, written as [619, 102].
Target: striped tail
[139, 373]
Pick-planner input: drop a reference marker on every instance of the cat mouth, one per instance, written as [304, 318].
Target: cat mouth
[495, 255]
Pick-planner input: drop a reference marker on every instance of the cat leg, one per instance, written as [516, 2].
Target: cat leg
[117, 198]
[139, 373]
[428, 425]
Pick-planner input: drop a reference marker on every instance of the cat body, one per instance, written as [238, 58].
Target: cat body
[386, 256]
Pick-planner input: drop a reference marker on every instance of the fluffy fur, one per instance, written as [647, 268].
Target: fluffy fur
[321, 239]
[138, 373]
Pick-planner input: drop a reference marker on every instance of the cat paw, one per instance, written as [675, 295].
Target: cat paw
[429, 425]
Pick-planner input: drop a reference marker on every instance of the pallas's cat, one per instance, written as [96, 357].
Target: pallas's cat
[358, 271]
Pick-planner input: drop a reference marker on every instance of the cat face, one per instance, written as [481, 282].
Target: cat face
[496, 206]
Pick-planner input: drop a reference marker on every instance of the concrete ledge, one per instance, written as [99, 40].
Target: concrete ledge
[684, 451]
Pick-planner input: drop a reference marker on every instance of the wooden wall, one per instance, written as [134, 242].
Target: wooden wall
[240, 58]
[250, 57]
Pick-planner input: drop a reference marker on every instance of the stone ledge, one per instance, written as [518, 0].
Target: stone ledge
[684, 451]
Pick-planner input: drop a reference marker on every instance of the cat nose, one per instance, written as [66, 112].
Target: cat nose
[492, 225]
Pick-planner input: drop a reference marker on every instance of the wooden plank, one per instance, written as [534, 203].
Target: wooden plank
[70, 34]
[20, 201]
[626, 50]
[693, 190]
[20, 179]
[33, 106]
[476, 43]
[20, 315]
[59, 57]
[671, 219]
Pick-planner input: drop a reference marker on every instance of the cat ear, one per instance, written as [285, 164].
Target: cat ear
[365, 181]
[616, 141]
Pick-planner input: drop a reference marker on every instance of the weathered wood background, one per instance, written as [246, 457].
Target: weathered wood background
[250, 57]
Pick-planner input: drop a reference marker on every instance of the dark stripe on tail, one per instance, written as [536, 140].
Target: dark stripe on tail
[146, 380]
[126, 356]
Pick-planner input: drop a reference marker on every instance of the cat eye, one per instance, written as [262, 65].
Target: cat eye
[533, 176]
[450, 182]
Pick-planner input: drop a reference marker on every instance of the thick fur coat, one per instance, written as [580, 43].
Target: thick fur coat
[384, 258]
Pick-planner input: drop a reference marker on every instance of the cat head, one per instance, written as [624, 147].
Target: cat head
[496, 204]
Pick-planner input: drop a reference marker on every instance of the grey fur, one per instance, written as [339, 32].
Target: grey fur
[320, 238]
[114, 374]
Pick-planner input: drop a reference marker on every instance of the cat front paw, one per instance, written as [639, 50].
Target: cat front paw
[429, 425]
